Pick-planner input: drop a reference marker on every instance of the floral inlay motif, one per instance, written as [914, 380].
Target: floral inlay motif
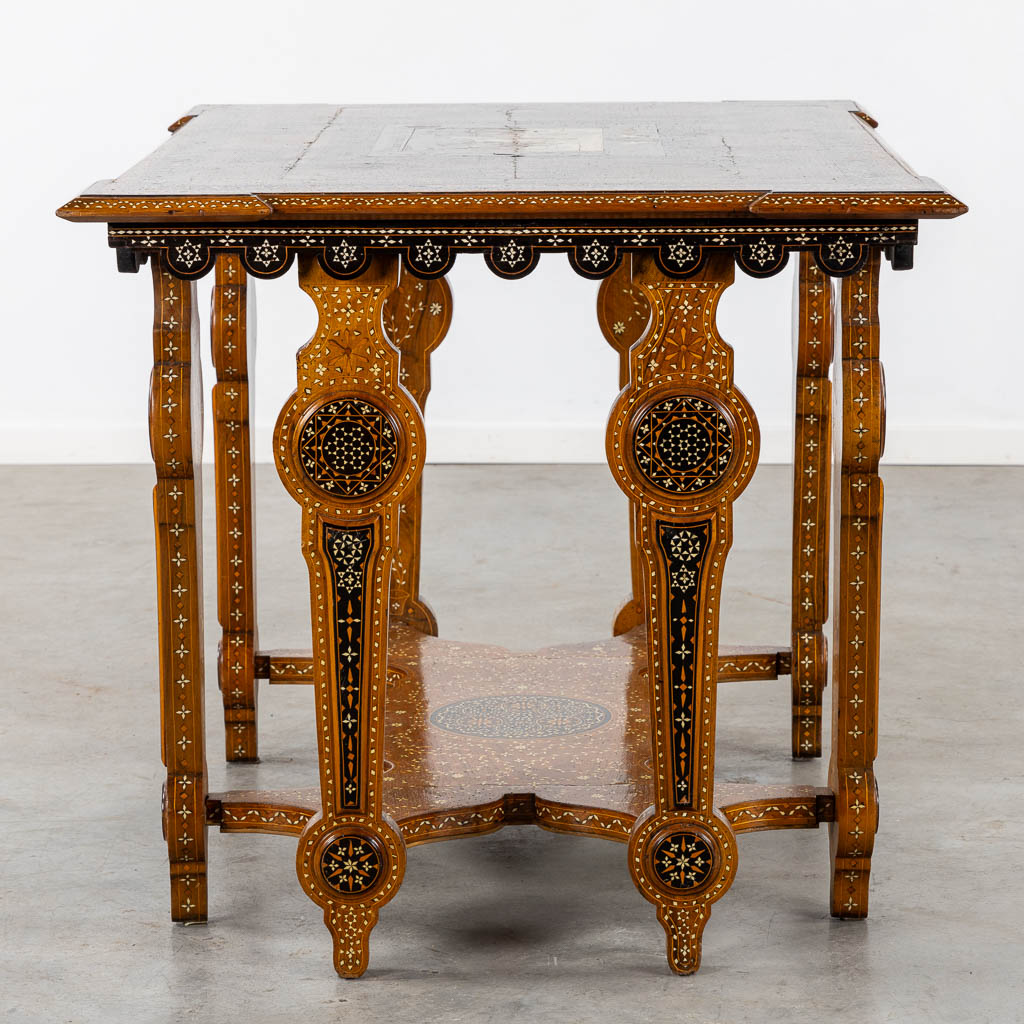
[350, 864]
[683, 860]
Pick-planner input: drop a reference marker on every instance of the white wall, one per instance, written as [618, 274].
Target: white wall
[524, 374]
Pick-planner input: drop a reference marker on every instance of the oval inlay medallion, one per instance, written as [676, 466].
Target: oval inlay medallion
[526, 716]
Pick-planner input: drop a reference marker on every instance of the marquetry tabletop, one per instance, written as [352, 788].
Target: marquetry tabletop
[763, 158]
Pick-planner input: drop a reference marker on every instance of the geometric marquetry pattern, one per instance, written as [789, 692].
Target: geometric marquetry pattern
[348, 447]
[683, 860]
[685, 549]
[683, 444]
[350, 864]
[594, 250]
[347, 550]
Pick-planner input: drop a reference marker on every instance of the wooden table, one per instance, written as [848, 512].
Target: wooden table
[422, 739]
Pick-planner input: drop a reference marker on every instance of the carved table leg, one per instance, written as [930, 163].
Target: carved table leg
[176, 439]
[233, 343]
[349, 448]
[623, 313]
[812, 465]
[682, 444]
[416, 317]
[860, 438]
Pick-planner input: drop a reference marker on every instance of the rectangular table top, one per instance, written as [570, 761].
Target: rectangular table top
[763, 159]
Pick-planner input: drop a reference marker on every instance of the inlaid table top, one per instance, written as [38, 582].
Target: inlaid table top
[777, 160]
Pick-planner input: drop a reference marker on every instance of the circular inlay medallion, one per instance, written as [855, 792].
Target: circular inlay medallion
[520, 717]
[348, 447]
[350, 864]
[683, 444]
[683, 860]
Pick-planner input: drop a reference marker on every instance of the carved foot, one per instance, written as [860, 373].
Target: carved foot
[350, 869]
[682, 865]
[184, 826]
[851, 842]
[684, 927]
[350, 928]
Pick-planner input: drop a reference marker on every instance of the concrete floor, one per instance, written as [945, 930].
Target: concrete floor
[520, 925]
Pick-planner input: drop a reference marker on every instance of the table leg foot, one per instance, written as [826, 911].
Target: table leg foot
[684, 930]
[350, 869]
[682, 864]
[850, 847]
[860, 434]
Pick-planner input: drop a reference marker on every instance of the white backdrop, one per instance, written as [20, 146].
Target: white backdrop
[524, 374]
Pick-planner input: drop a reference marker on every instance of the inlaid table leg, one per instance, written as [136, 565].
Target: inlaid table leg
[860, 436]
[232, 339]
[176, 439]
[812, 465]
[682, 444]
[623, 313]
[417, 316]
[349, 447]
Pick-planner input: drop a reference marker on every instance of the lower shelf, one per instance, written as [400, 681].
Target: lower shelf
[479, 737]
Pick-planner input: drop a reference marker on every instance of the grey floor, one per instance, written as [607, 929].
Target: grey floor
[520, 925]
